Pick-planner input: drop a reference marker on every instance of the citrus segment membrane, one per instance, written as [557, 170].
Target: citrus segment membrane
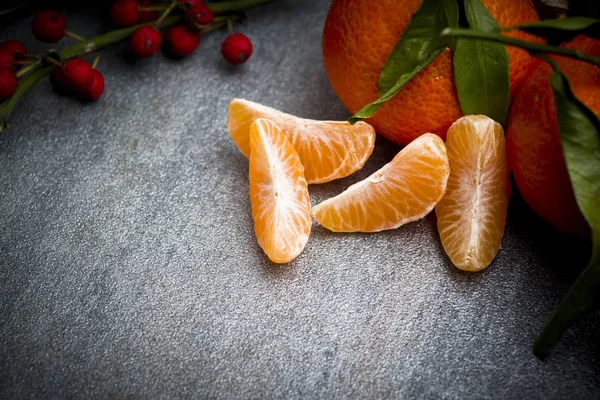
[328, 150]
[472, 214]
[278, 193]
[404, 190]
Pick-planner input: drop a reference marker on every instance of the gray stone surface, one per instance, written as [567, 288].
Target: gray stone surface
[128, 266]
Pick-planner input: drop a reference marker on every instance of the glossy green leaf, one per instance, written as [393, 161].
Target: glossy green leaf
[481, 72]
[580, 138]
[370, 109]
[420, 44]
[420, 38]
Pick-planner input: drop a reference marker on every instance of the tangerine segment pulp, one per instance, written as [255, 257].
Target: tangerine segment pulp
[472, 214]
[278, 193]
[404, 190]
[328, 150]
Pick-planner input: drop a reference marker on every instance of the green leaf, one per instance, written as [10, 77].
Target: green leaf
[418, 46]
[369, 110]
[481, 73]
[420, 38]
[451, 17]
[580, 138]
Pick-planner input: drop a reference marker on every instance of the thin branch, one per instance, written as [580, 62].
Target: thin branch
[460, 33]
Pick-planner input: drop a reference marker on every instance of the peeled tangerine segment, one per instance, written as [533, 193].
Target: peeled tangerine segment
[472, 214]
[328, 149]
[278, 193]
[404, 190]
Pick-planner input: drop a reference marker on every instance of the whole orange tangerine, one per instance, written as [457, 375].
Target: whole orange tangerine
[533, 142]
[359, 36]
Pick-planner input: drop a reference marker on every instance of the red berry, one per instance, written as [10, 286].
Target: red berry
[236, 48]
[145, 41]
[182, 41]
[147, 16]
[190, 3]
[79, 74]
[49, 26]
[125, 12]
[199, 16]
[95, 90]
[15, 48]
[8, 84]
[7, 61]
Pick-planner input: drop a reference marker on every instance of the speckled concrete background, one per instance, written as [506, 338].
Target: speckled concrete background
[128, 267]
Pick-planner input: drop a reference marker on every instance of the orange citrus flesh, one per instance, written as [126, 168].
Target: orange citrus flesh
[472, 214]
[404, 190]
[278, 193]
[328, 150]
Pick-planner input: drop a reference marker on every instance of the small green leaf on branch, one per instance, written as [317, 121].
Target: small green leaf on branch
[481, 69]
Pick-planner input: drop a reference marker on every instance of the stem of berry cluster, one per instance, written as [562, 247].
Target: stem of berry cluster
[28, 68]
[74, 36]
[112, 37]
[219, 22]
[96, 61]
[52, 61]
[153, 8]
[166, 13]
[235, 5]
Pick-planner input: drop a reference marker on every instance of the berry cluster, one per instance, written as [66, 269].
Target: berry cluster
[182, 39]
[75, 76]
